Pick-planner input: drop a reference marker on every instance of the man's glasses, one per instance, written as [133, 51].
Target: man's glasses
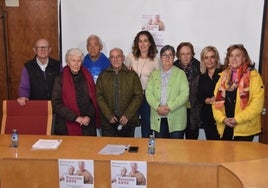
[39, 48]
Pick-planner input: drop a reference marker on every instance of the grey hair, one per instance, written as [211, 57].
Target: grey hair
[95, 36]
[74, 52]
[166, 48]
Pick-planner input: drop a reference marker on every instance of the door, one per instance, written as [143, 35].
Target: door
[264, 74]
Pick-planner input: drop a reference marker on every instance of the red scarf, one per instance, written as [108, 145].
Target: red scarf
[69, 98]
[242, 83]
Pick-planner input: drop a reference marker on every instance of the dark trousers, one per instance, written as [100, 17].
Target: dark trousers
[164, 131]
[112, 131]
[191, 133]
[211, 131]
[228, 135]
[144, 112]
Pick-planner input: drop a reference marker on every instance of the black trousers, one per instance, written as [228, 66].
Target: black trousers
[191, 133]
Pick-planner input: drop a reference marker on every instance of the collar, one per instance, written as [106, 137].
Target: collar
[41, 65]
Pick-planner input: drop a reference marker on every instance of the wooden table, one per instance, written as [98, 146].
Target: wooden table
[251, 173]
[177, 163]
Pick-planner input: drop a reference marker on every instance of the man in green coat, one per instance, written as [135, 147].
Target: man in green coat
[119, 96]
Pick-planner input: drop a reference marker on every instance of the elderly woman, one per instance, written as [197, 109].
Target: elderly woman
[167, 93]
[74, 99]
[191, 67]
[239, 97]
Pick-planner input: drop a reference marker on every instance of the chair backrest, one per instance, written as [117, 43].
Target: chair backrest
[35, 117]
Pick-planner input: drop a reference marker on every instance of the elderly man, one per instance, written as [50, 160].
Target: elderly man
[88, 178]
[119, 96]
[140, 178]
[38, 74]
[95, 61]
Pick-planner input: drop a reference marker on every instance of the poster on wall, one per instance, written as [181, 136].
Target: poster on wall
[76, 173]
[128, 174]
[156, 26]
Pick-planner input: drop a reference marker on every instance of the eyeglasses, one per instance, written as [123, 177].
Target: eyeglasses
[39, 48]
[116, 57]
[167, 56]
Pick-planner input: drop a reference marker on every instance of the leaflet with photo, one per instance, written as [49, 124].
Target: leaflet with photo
[128, 174]
[76, 173]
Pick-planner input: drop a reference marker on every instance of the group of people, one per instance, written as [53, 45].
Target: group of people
[171, 98]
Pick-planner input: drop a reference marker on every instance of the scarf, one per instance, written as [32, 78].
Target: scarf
[230, 81]
[69, 98]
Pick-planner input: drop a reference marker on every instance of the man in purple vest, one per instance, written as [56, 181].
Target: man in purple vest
[38, 74]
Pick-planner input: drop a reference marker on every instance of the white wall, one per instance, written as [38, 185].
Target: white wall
[207, 22]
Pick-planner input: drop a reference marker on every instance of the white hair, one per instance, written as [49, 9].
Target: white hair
[74, 52]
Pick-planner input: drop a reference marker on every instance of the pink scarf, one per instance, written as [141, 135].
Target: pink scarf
[242, 81]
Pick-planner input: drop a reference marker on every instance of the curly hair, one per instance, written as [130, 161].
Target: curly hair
[152, 49]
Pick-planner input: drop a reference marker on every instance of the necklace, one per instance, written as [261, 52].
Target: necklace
[138, 62]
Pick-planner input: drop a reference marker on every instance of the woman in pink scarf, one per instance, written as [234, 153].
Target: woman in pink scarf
[239, 97]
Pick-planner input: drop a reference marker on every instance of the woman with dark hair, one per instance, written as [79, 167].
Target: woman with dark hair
[167, 93]
[143, 61]
[239, 97]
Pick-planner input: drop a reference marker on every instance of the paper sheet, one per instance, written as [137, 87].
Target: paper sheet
[47, 144]
[111, 149]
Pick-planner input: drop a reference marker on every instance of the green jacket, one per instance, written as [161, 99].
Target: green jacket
[130, 95]
[177, 96]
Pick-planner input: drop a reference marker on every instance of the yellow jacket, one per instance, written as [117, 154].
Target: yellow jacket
[249, 119]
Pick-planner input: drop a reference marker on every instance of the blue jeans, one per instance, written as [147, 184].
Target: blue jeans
[144, 112]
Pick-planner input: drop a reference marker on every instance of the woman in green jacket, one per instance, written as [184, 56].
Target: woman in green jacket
[167, 93]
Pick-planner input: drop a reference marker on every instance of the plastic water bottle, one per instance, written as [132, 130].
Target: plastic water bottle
[151, 144]
[14, 138]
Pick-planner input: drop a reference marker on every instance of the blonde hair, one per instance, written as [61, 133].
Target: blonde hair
[204, 51]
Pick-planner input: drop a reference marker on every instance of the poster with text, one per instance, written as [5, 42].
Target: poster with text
[156, 26]
[128, 174]
[76, 173]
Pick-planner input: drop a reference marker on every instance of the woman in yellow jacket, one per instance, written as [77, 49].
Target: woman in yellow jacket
[239, 97]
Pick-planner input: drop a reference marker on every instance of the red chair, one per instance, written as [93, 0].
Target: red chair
[35, 117]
